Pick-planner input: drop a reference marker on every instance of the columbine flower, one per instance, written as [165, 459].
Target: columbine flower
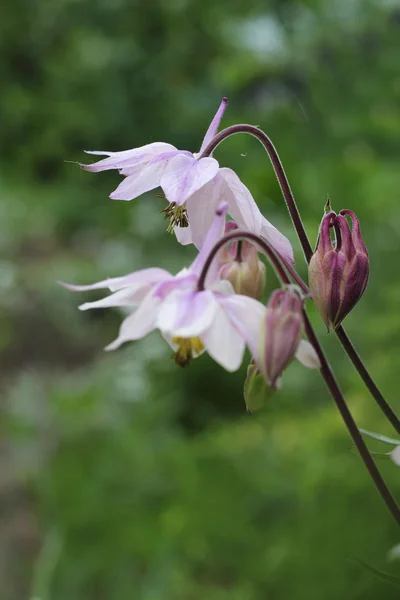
[192, 321]
[338, 274]
[193, 186]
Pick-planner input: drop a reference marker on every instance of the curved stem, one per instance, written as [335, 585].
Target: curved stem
[326, 371]
[352, 428]
[279, 172]
[236, 235]
[308, 252]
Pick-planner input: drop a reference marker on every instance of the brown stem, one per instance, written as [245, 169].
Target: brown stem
[326, 371]
[279, 172]
[352, 428]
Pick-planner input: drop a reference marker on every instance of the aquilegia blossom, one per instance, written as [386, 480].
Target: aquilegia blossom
[213, 319]
[193, 186]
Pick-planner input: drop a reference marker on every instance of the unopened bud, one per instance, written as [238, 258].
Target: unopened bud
[281, 335]
[338, 272]
[240, 265]
[256, 393]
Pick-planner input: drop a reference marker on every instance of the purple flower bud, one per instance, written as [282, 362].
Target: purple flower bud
[240, 265]
[283, 328]
[338, 272]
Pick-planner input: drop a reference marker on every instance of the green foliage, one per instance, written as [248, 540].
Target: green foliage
[124, 478]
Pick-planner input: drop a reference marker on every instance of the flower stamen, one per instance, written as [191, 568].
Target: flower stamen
[177, 216]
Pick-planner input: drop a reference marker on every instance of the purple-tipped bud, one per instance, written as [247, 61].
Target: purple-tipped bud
[240, 265]
[338, 272]
[283, 328]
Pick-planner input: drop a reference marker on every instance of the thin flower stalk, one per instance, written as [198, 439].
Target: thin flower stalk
[308, 252]
[325, 368]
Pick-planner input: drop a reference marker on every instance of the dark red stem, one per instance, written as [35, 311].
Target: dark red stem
[308, 252]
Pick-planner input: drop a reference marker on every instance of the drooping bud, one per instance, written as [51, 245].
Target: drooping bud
[241, 266]
[338, 271]
[256, 393]
[281, 335]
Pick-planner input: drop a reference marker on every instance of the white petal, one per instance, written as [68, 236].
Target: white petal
[201, 207]
[141, 179]
[247, 316]
[139, 323]
[213, 128]
[124, 297]
[137, 278]
[244, 210]
[215, 233]
[278, 241]
[395, 455]
[242, 206]
[187, 313]
[223, 343]
[126, 158]
[149, 276]
[185, 175]
[183, 235]
[306, 354]
[223, 286]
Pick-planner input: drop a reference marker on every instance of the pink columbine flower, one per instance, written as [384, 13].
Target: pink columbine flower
[191, 321]
[193, 186]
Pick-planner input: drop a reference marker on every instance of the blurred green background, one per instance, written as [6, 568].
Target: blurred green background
[121, 476]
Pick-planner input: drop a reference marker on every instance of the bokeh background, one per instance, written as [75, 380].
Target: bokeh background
[123, 477]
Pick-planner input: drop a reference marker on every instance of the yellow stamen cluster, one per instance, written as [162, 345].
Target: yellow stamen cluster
[188, 348]
[177, 216]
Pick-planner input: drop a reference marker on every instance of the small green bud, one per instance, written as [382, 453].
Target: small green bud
[256, 393]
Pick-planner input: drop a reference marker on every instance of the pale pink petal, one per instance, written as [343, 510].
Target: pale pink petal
[149, 276]
[163, 157]
[213, 128]
[278, 241]
[242, 206]
[186, 314]
[247, 316]
[125, 297]
[184, 280]
[142, 179]
[126, 158]
[201, 208]
[215, 233]
[223, 342]
[185, 175]
[139, 323]
[244, 210]
[306, 354]
[137, 278]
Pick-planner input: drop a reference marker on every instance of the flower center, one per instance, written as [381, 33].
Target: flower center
[177, 216]
[188, 349]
